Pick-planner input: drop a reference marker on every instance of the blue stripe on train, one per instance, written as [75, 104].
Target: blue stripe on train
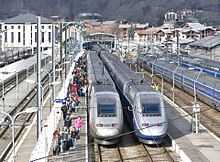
[146, 137]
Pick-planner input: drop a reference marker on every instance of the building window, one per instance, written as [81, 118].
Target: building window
[5, 27]
[19, 37]
[0, 26]
[49, 37]
[35, 37]
[42, 37]
[42, 27]
[6, 37]
[12, 37]
[19, 27]
[12, 27]
[49, 27]
[36, 27]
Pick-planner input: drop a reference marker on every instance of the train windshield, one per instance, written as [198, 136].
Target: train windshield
[151, 109]
[106, 110]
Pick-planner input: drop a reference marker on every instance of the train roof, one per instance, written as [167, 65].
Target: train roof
[127, 73]
[101, 80]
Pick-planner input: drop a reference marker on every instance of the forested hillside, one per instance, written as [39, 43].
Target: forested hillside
[140, 10]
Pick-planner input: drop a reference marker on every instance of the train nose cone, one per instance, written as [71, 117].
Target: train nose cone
[156, 130]
[107, 132]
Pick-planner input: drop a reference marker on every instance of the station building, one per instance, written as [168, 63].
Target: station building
[21, 32]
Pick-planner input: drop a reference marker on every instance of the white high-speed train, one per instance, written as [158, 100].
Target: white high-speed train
[105, 110]
[147, 113]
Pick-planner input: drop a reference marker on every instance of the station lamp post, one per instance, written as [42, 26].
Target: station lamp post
[16, 73]
[152, 70]
[196, 77]
[12, 119]
[3, 94]
[173, 88]
[194, 86]
[196, 107]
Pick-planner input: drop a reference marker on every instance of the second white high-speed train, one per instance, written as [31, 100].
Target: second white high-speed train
[147, 113]
[105, 110]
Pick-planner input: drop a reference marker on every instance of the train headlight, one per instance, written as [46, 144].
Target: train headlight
[159, 124]
[145, 124]
[99, 125]
[114, 124]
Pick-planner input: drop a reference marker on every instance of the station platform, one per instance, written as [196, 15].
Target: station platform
[28, 140]
[41, 150]
[79, 154]
[27, 144]
[15, 96]
[191, 147]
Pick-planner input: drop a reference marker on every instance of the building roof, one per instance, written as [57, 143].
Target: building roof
[112, 22]
[196, 27]
[207, 42]
[167, 31]
[137, 26]
[121, 26]
[26, 18]
[89, 16]
[148, 31]
[100, 23]
[141, 26]
[167, 26]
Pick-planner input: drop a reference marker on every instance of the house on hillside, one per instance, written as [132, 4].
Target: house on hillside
[137, 28]
[147, 35]
[197, 31]
[208, 47]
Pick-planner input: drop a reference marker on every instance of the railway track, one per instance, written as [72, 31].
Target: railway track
[209, 116]
[138, 152]
[158, 154]
[5, 133]
[107, 153]
[130, 150]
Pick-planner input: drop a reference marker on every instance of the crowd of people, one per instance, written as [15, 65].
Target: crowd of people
[66, 138]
